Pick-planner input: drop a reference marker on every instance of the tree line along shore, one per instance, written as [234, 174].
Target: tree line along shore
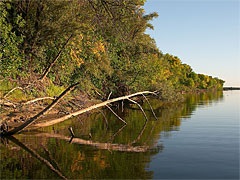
[47, 46]
[101, 44]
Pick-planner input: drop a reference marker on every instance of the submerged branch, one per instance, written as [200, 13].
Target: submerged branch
[150, 106]
[139, 107]
[116, 114]
[99, 145]
[141, 132]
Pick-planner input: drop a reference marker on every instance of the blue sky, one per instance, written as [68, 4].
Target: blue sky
[202, 33]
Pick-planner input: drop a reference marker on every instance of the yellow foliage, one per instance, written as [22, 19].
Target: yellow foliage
[75, 58]
[77, 40]
[98, 47]
[77, 164]
[167, 73]
[100, 161]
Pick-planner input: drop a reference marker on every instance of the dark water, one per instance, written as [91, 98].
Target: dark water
[198, 139]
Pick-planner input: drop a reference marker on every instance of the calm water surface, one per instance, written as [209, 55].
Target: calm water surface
[206, 145]
[198, 139]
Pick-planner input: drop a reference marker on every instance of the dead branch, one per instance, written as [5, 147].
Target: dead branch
[12, 91]
[71, 131]
[122, 105]
[150, 106]
[104, 116]
[116, 114]
[55, 59]
[37, 99]
[115, 134]
[76, 113]
[109, 95]
[51, 159]
[74, 104]
[139, 107]
[73, 114]
[44, 111]
[99, 145]
[141, 132]
[4, 102]
[7, 103]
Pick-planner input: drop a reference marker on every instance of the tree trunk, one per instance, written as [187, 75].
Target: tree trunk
[55, 59]
[76, 113]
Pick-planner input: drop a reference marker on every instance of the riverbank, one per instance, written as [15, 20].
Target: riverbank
[20, 101]
[188, 127]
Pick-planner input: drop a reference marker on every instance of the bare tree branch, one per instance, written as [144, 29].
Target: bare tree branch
[73, 114]
[139, 107]
[150, 107]
[12, 91]
[81, 111]
[116, 114]
[55, 59]
[37, 99]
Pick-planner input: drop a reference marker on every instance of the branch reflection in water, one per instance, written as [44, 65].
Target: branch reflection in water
[113, 149]
[36, 155]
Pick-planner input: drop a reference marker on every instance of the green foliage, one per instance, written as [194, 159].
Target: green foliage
[108, 52]
[10, 55]
[53, 90]
[6, 86]
[183, 77]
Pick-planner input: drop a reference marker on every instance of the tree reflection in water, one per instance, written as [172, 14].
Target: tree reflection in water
[110, 151]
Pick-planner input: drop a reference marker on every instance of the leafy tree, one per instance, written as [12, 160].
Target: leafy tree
[10, 54]
[108, 50]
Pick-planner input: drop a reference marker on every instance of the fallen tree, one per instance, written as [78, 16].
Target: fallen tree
[73, 114]
[105, 103]
[98, 145]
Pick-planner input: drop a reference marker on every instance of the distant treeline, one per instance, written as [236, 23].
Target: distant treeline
[231, 88]
[100, 43]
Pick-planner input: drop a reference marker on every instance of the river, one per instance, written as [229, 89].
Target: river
[197, 139]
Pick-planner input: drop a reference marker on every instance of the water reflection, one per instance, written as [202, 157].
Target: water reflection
[36, 155]
[102, 147]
